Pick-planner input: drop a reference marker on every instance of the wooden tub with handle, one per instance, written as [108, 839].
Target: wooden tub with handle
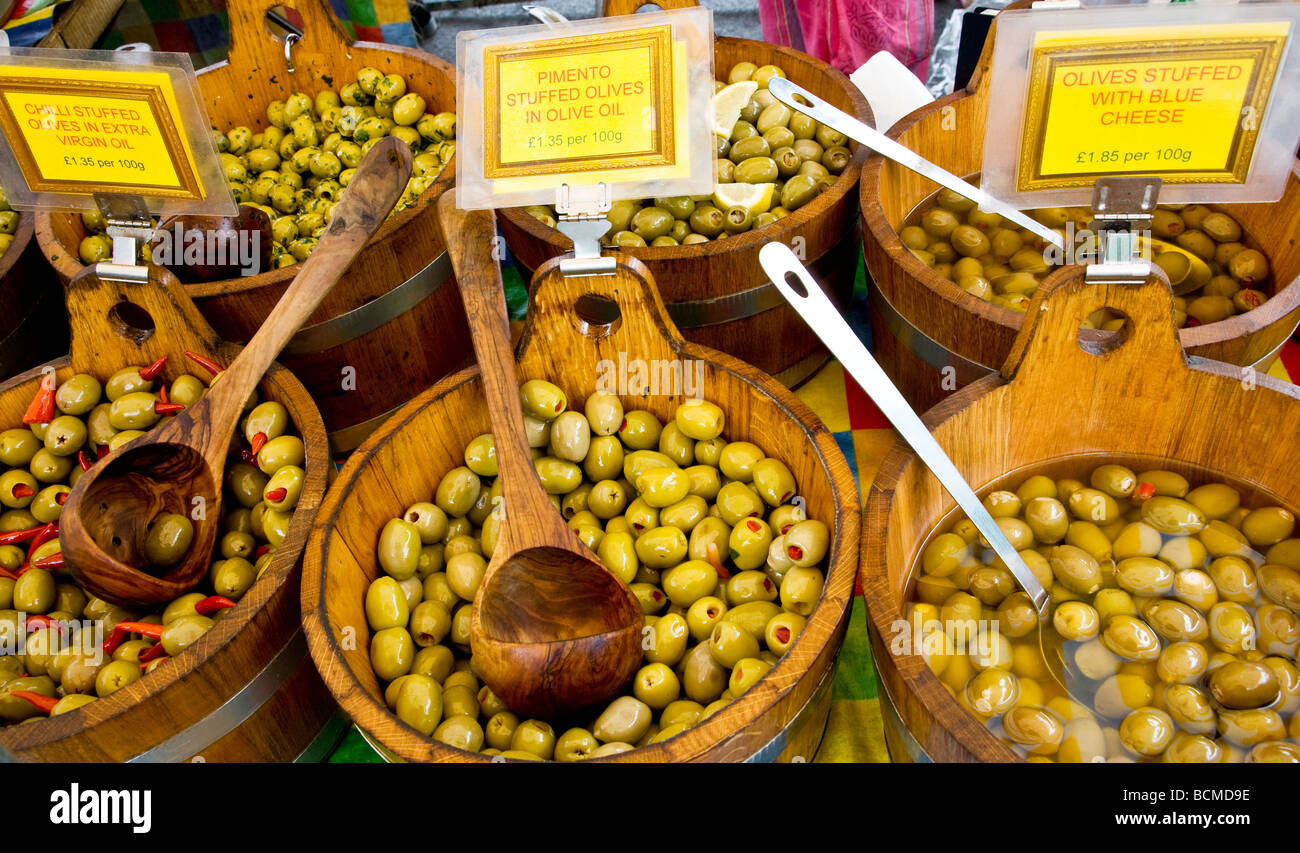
[716, 292]
[782, 717]
[1062, 404]
[393, 326]
[246, 690]
[933, 338]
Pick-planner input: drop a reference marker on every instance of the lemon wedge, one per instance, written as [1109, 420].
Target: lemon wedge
[727, 104]
[756, 198]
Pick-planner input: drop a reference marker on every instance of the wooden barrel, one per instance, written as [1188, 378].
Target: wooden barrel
[391, 327]
[246, 691]
[717, 292]
[783, 715]
[33, 323]
[1138, 403]
[932, 337]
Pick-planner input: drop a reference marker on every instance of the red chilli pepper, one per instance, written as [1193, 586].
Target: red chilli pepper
[261, 549]
[54, 561]
[247, 456]
[1144, 492]
[101, 451]
[794, 552]
[47, 533]
[154, 651]
[123, 629]
[61, 498]
[212, 604]
[41, 409]
[151, 372]
[276, 494]
[22, 490]
[84, 460]
[13, 537]
[161, 408]
[45, 704]
[5, 573]
[206, 363]
[258, 442]
[162, 395]
[753, 526]
[36, 622]
[711, 553]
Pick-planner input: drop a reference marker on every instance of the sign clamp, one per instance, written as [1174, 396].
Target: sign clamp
[581, 217]
[1121, 206]
[129, 225]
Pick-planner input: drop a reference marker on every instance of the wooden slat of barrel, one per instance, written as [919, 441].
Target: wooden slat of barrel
[187, 704]
[363, 377]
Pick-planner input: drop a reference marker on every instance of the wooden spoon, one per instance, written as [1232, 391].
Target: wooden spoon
[104, 522]
[553, 630]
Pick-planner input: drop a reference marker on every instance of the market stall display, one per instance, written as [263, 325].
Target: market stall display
[237, 687]
[1138, 406]
[716, 291]
[781, 715]
[357, 355]
[933, 337]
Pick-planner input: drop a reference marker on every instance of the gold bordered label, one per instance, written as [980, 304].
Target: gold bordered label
[1186, 106]
[580, 103]
[79, 131]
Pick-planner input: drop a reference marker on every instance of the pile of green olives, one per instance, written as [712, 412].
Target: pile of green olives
[791, 156]
[708, 533]
[51, 629]
[999, 262]
[8, 223]
[296, 168]
[1175, 608]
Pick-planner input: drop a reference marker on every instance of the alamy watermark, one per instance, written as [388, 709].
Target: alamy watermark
[636, 377]
[179, 246]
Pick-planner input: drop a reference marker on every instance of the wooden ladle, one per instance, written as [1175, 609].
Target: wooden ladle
[553, 630]
[180, 465]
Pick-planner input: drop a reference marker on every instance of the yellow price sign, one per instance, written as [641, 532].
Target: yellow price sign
[87, 131]
[580, 103]
[1186, 106]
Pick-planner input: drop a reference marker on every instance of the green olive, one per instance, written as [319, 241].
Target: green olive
[168, 539]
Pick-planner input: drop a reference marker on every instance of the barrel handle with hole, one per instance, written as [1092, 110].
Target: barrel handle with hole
[1054, 373]
[93, 314]
[610, 8]
[554, 332]
[253, 46]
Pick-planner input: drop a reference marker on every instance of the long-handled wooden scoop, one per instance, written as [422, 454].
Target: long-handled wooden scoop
[553, 629]
[180, 465]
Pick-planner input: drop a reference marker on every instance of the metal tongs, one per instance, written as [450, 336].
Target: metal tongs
[798, 98]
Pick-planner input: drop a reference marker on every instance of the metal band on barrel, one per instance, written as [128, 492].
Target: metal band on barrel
[919, 343]
[192, 740]
[772, 750]
[375, 313]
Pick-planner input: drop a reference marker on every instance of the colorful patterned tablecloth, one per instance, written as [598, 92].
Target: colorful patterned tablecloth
[854, 731]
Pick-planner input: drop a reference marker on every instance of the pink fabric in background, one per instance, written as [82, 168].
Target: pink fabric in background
[846, 33]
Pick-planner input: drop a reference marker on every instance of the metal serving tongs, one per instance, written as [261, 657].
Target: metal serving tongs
[798, 98]
[806, 296]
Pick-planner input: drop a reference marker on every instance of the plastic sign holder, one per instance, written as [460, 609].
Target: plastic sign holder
[1204, 97]
[118, 131]
[576, 114]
